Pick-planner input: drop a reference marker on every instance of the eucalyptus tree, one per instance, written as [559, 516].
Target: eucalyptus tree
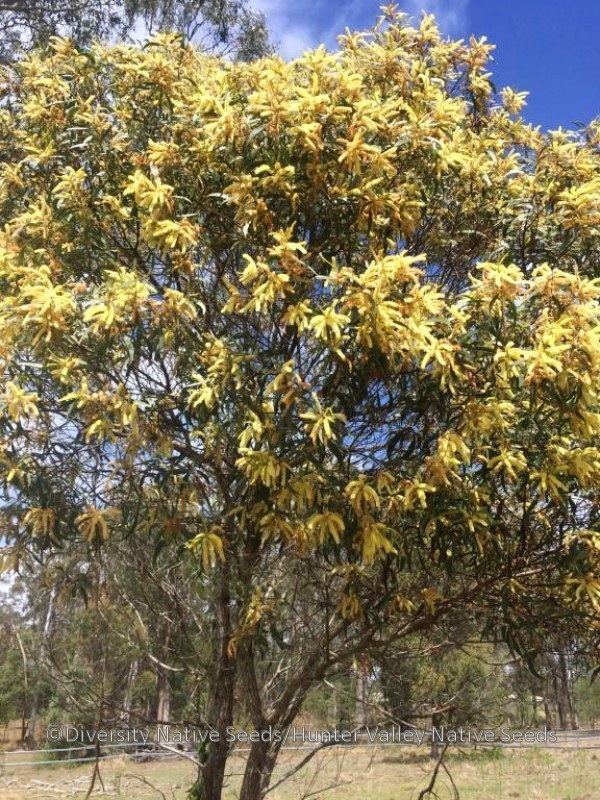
[225, 26]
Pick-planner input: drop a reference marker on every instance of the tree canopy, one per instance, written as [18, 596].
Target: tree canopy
[330, 327]
[221, 25]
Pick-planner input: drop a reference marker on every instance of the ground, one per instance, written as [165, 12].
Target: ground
[357, 773]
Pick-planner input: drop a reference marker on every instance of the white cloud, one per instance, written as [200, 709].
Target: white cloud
[297, 25]
[294, 41]
[291, 37]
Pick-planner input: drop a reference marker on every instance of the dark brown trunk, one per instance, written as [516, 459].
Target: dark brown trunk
[213, 754]
[259, 767]
[560, 706]
[263, 754]
[436, 745]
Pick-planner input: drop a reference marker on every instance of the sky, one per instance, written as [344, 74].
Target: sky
[550, 48]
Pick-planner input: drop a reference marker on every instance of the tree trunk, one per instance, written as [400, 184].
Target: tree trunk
[163, 698]
[128, 699]
[213, 754]
[259, 768]
[566, 692]
[361, 713]
[29, 733]
[436, 745]
[163, 703]
[163, 706]
[560, 705]
[548, 714]
[263, 754]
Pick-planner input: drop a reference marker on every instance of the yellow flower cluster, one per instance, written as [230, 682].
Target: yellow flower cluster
[345, 302]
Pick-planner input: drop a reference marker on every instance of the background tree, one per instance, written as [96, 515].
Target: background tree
[225, 26]
[310, 325]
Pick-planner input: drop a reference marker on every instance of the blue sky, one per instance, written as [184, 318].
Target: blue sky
[550, 48]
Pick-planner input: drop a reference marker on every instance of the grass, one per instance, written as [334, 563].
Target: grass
[358, 773]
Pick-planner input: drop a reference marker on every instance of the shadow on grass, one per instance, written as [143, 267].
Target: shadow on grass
[470, 755]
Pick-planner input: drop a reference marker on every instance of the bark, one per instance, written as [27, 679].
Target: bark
[163, 698]
[548, 692]
[361, 712]
[436, 745]
[566, 691]
[25, 709]
[128, 699]
[560, 706]
[213, 754]
[548, 713]
[259, 768]
[263, 754]
[163, 702]
[29, 734]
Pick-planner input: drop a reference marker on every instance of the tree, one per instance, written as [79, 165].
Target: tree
[455, 678]
[220, 25]
[327, 328]
[588, 698]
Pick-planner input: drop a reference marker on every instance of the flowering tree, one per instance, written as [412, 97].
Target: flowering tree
[329, 325]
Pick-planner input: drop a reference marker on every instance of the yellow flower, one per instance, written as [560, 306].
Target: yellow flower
[416, 492]
[323, 422]
[372, 540]
[204, 394]
[69, 189]
[511, 461]
[586, 587]
[40, 520]
[169, 234]
[326, 523]
[46, 307]
[209, 546]
[155, 197]
[349, 606]
[20, 403]
[94, 523]
[328, 325]
[363, 496]
[261, 466]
